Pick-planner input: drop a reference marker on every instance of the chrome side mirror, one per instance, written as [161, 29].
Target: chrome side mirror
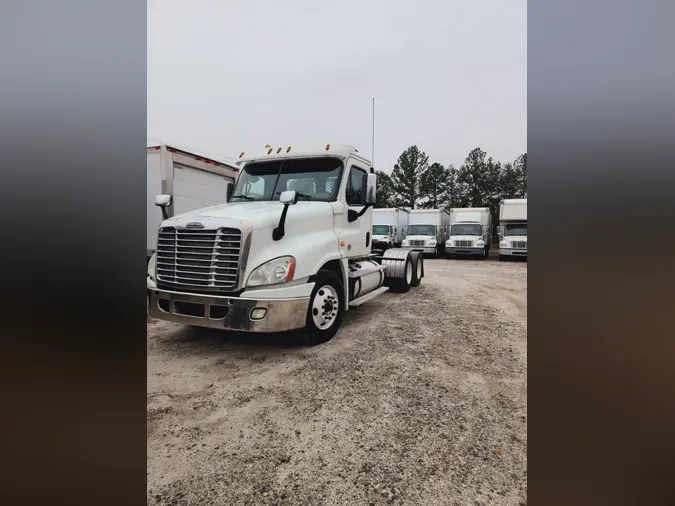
[288, 197]
[163, 200]
[371, 189]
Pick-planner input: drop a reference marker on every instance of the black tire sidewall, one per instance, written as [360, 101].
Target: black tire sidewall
[313, 335]
[415, 280]
[403, 285]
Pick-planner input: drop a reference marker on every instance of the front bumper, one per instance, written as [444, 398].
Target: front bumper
[430, 250]
[513, 252]
[458, 250]
[228, 313]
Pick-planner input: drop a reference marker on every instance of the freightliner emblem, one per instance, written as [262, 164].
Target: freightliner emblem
[195, 224]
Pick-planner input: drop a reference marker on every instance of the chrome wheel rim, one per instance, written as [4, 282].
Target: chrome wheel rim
[408, 272]
[419, 268]
[325, 307]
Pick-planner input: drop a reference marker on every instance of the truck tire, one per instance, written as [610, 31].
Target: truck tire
[418, 271]
[325, 311]
[402, 285]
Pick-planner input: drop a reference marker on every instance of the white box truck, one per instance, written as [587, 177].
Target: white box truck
[427, 230]
[290, 250]
[192, 179]
[512, 228]
[470, 232]
[389, 227]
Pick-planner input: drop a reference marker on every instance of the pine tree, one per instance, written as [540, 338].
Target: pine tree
[509, 185]
[473, 177]
[406, 175]
[455, 194]
[521, 169]
[385, 190]
[434, 187]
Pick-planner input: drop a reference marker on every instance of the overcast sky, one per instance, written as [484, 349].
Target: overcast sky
[447, 75]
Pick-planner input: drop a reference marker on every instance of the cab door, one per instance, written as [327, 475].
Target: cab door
[356, 235]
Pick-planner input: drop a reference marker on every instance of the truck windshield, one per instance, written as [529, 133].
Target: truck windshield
[421, 230]
[380, 229]
[515, 229]
[466, 229]
[311, 178]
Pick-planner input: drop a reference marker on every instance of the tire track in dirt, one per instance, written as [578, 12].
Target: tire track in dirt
[420, 400]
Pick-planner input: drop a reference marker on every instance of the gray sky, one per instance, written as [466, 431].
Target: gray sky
[447, 75]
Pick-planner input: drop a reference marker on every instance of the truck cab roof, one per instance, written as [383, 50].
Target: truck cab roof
[283, 152]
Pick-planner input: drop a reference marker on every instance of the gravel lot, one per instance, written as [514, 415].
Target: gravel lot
[420, 399]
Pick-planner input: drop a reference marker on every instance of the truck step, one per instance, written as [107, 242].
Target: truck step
[368, 296]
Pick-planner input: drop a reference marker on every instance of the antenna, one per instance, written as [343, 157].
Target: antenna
[372, 149]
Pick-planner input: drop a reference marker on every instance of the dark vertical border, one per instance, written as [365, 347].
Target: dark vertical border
[601, 84]
[72, 234]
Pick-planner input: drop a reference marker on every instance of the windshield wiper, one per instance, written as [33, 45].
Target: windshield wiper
[245, 197]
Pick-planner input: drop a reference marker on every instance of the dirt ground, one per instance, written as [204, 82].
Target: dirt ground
[420, 399]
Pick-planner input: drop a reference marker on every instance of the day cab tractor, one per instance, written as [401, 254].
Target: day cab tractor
[290, 249]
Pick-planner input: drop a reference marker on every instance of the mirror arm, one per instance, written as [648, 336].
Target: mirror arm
[164, 213]
[352, 216]
[280, 231]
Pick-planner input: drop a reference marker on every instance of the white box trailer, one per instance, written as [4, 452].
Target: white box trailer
[192, 179]
[470, 232]
[427, 230]
[512, 228]
[389, 227]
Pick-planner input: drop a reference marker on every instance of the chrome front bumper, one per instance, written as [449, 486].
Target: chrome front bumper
[228, 313]
[430, 250]
[458, 250]
[513, 252]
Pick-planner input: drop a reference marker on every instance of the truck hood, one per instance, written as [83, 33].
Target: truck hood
[262, 214]
[381, 237]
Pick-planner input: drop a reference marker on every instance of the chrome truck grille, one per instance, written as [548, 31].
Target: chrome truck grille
[200, 260]
[464, 244]
[519, 244]
[417, 243]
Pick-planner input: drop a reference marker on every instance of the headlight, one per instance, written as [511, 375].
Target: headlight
[404, 243]
[480, 242]
[151, 266]
[503, 244]
[432, 242]
[278, 270]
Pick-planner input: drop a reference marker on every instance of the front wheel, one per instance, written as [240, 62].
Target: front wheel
[326, 309]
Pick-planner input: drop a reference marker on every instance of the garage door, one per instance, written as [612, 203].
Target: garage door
[193, 189]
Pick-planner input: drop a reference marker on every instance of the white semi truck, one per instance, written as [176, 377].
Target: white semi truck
[427, 230]
[290, 250]
[192, 179]
[389, 227]
[470, 232]
[512, 228]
